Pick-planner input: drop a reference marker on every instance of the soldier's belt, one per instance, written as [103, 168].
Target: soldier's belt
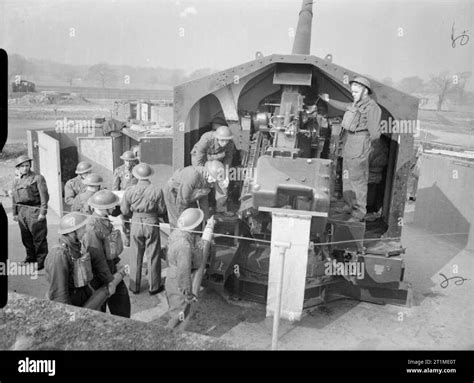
[357, 131]
[144, 215]
[33, 204]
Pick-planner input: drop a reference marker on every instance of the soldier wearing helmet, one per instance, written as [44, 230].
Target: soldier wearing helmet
[65, 283]
[75, 185]
[143, 203]
[123, 175]
[93, 183]
[123, 178]
[30, 204]
[190, 186]
[361, 125]
[69, 268]
[100, 241]
[184, 256]
[216, 145]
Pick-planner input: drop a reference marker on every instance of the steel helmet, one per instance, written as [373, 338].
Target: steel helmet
[190, 218]
[143, 171]
[128, 156]
[21, 159]
[71, 222]
[216, 169]
[223, 133]
[103, 199]
[362, 81]
[83, 167]
[93, 179]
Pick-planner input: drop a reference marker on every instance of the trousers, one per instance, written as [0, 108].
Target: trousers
[145, 241]
[355, 173]
[119, 303]
[33, 234]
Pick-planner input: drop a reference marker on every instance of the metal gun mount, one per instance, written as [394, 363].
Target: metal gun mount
[289, 151]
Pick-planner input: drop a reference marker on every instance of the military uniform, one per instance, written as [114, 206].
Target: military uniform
[123, 178]
[184, 256]
[72, 188]
[31, 190]
[207, 149]
[185, 188]
[59, 273]
[144, 202]
[96, 242]
[80, 202]
[355, 153]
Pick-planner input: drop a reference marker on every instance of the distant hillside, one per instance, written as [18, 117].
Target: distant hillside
[103, 75]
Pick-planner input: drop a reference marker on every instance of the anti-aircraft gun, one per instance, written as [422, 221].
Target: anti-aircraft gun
[288, 141]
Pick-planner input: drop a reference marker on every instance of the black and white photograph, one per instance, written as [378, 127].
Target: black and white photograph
[236, 175]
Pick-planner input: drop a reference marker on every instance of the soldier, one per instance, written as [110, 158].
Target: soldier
[216, 145]
[190, 186]
[30, 205]
[93, 183]
[184, 256]
[362, 128]
[100, 241]
[75, 186]
[144, 202]
[69, 270]
[123, 178]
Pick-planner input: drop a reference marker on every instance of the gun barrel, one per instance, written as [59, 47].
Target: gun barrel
[302, 43]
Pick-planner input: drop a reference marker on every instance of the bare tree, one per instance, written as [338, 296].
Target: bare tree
[70, 74]
[460, 87]
[102, 72]
[443, 84]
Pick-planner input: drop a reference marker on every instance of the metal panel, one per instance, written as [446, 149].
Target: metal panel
[287, 74]
[98, 151]
[48, 148]
[293, 230]
[157, 152]
[444, 198]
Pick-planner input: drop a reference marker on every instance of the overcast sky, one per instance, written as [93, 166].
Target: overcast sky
[361, 35]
